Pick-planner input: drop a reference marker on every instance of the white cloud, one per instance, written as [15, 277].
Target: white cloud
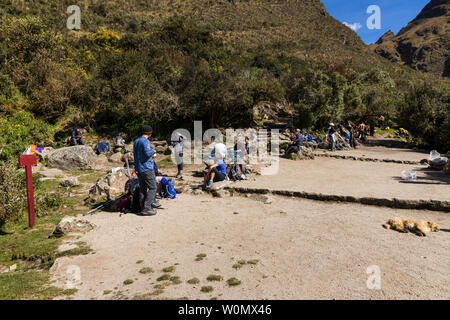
[354, 26]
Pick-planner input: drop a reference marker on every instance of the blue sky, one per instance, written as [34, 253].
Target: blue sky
[395, 14]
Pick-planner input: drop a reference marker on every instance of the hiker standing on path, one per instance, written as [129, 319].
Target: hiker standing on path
[178, 151]
[143, 165]
[362, 132]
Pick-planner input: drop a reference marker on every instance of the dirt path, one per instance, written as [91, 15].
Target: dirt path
[378, 152]
[306, 250]
[355, 178]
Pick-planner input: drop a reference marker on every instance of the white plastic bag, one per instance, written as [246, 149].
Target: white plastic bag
[409, 175]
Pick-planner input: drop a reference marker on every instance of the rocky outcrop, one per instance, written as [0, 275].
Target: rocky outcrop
[424, 44]
[73, 158]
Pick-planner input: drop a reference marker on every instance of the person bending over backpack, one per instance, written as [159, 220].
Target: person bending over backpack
[216, 172]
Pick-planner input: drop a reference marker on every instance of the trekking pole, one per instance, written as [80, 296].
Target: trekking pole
[128, 168]
[103, 205]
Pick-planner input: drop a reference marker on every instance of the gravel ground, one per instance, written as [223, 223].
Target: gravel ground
[305, 250]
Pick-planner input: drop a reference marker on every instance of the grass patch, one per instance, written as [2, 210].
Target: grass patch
[107, 292]
[206, 289]
[70, 292]
[193, 281]
[148, 296]
[27, 286]
[139, 261]
[233, 282]
[237, 266]
[200, 257]
[128, 282]
[175, 280]
[165, 163]
[146, 270]
[255, 261]
[214, 277]
[164, 277]
[169, 269]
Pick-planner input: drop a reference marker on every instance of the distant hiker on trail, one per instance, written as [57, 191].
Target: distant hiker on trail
[178, 150]
[76, 138]
[331, 136]
[216, 172]
[295, 146]
[144, 167]
[382, 119]
[362, 132]
[119, 143]
[352, 139]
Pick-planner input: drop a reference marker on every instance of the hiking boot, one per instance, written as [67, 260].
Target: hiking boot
[147, 213]
[156, 204]
[209, 184]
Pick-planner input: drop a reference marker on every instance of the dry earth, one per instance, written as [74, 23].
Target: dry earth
[304, 249]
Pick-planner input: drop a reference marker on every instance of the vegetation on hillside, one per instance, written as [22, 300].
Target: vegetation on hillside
[171, 62]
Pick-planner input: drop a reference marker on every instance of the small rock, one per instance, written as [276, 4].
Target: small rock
[68, 224]
[13, 268]
[69, 182]
[235, 212]
[116, 157]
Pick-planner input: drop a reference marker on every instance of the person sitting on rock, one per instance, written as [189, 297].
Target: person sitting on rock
[76, 138]
[295, 146]
[308, 140]
[216, 172]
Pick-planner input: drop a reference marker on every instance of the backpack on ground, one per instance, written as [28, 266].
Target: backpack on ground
[168, 188]
[102, 147]
[131, 202]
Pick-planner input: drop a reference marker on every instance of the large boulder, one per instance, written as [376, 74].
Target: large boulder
[73, 158]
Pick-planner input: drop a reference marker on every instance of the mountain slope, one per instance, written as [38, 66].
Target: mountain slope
[424, 44]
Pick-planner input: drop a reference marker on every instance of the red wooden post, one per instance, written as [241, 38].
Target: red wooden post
[28, 161]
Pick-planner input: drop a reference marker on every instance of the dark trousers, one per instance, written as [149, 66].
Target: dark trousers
[147, 189]
[292, 149]
[218, 176]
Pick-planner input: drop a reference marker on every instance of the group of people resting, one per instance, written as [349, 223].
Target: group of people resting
[350, 136]
[216, 169]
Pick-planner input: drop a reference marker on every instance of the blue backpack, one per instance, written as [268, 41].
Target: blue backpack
[167, 188]
[102, 147]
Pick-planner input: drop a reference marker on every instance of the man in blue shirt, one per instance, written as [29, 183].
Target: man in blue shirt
[143, 165]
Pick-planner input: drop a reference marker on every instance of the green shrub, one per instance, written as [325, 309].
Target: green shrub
[19, 130]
